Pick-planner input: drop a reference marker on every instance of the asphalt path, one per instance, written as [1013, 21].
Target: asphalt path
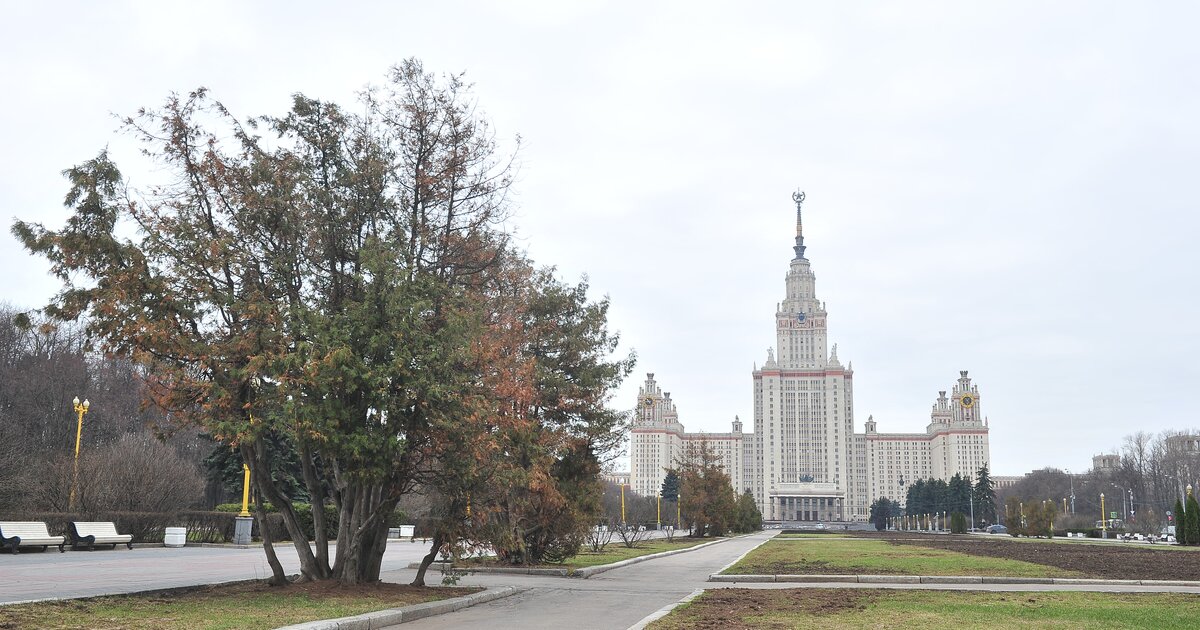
[615, 599]
[35, 575]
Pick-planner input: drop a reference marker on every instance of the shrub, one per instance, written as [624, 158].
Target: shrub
[958, 523]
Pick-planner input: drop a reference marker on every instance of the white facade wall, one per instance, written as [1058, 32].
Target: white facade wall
[658, 440]
[802, 460]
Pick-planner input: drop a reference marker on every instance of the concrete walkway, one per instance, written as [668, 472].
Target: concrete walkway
[34, 575]
[613, 600]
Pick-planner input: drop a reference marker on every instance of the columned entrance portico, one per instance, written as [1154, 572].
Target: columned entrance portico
[807, 502]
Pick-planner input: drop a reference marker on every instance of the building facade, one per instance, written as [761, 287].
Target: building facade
[803, 461]
[657, 441]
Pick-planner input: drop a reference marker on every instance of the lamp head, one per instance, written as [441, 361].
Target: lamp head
[86, 403]
[76, 401]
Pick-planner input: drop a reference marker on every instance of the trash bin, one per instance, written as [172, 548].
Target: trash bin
[175, 536]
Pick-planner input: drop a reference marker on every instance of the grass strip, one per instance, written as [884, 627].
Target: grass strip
[856, 556]
[838, 609]
[614, 552]
[237, 605]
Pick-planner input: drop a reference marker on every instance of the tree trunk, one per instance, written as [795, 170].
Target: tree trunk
[438, 541]
[278, 578]
[260, 467]
[316, 494]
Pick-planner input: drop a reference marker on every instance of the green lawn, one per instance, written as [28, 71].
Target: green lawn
[241, 605]
[834, 609]
[851, 556]
[614, 552]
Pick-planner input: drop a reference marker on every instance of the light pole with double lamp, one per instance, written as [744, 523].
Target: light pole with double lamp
[81, 409]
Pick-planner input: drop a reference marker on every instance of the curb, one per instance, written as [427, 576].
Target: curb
[583, 573]
[445, 566]
[664, 611]
[588, 572]
[393, 616]
[939, 579]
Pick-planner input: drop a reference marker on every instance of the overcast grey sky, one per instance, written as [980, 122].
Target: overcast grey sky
[1005, 188]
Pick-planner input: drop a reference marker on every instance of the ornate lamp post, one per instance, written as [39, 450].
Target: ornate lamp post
[243, 523]
[81, 409]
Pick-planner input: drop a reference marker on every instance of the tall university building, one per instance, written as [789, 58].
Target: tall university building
[803, 461]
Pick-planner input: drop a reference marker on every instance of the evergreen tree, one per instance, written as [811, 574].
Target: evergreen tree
[1180, 535]
[985, 496]
[749, 518]
[706, 494]
[958, 494]
[670, 486]
[1193, 512]
[882, 510]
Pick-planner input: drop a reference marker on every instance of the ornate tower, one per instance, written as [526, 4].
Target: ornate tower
[802, 455]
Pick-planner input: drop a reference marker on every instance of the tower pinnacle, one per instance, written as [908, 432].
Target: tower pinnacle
[798, 197]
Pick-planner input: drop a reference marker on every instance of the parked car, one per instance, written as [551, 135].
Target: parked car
[996, 529]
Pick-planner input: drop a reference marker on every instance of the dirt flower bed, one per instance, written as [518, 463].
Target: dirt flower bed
[736, 609]
[1118, 561]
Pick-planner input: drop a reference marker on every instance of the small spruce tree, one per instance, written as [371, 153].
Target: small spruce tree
[1180, 535]
[1193, 510]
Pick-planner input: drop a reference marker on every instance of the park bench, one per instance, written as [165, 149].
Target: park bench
[97, 533]
[14, 534]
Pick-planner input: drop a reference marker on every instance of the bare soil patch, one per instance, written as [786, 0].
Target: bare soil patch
[1116, 561]
[730, 609]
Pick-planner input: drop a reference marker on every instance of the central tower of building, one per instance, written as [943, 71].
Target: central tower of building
[806, 458]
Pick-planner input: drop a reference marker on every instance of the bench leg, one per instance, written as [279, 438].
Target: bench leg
[62, 548]
[128, 544]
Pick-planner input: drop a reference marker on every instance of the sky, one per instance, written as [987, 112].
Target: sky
[1004, 188]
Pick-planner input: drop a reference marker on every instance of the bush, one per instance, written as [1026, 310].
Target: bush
[138, 473]
[958, 523]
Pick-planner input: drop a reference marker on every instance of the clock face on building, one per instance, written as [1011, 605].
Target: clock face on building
[967, 401]
[648, 402]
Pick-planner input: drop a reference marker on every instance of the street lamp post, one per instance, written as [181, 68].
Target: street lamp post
[622, 505]
[1072, 478]
[1103, 518]
[243, 523]
[80, 410]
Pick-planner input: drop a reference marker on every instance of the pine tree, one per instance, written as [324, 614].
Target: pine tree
[1193, 520]
[1180, 534]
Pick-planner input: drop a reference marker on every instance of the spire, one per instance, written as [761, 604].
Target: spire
[798, 197]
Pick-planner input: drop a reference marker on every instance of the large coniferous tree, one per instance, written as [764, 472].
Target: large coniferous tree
[984, 493]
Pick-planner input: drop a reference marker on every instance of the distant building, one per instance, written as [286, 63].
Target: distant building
[1004, 482]
[1106, 463]
[1184, 443]
[620, 478]
[803, 461]
[657, 442]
